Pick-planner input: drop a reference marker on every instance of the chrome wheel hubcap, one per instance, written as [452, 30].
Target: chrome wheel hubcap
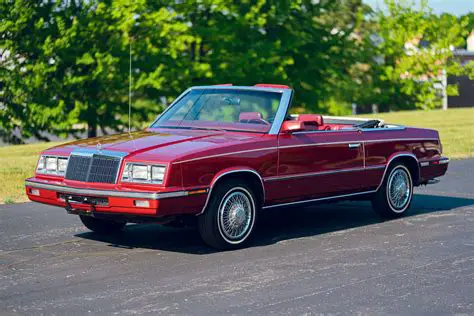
[399, 189]
[235, 215]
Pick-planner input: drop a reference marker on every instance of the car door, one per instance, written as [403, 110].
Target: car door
[318, 164]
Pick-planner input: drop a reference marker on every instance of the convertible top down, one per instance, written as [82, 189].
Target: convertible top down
[218, 155]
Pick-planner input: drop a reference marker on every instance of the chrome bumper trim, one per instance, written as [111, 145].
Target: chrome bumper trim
[444, 161]
[122, 194]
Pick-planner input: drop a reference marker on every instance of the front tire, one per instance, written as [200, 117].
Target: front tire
[230, 216]
[394, 196]
[102, 226]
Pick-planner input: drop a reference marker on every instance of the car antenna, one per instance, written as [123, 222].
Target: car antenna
[130, 88]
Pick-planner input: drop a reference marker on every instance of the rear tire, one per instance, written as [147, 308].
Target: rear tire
[230, 216]
[394, 196]
[102, 226]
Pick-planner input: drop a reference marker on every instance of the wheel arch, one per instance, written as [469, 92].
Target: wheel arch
[410, 161]
[251, 176]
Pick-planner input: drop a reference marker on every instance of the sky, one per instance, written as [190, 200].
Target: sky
[457, 7]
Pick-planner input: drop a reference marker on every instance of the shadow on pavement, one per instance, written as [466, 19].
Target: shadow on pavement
[275, 225]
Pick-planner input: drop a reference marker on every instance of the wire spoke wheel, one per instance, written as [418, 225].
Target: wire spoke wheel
[229, 219]
[399, 189]
[235, 215]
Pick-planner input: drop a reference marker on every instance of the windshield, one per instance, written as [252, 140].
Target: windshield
[226, 109]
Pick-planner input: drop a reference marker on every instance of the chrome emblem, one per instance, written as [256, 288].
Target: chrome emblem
[99, 146]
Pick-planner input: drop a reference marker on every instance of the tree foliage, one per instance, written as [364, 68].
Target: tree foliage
[407, 52]
[65, 64]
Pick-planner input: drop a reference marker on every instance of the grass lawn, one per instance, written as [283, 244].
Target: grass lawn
[456, 128]
[17, 163]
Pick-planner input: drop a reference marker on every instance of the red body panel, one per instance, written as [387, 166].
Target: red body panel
[293, 167]
[307, 155]
[331, 161]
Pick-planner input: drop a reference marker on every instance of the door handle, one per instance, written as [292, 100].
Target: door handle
[354, 145]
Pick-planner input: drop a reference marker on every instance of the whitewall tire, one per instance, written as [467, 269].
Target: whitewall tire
[394, 196]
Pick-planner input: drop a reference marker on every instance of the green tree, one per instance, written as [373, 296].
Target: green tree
[410, 48]
[66, 63]
[305, 44]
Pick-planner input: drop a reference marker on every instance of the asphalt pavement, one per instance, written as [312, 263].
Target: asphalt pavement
[334, 258]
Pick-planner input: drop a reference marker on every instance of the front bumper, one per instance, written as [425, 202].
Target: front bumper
[146, 203]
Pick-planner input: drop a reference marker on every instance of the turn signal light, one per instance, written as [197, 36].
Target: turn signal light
[141, 203]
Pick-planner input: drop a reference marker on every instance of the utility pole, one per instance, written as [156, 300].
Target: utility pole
[445, 89]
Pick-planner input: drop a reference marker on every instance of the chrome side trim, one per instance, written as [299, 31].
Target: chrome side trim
[320, 199]
[314, 144]
[328, 131]
[281, 112]
[123, 194]
[296, 146]
[363, 142]
[226, 173]
[354, 129]
[351, 194]
[226, 154]
[381, 129]
[399, 139]
[311, 174]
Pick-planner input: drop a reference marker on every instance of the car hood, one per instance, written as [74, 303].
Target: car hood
[151, 143]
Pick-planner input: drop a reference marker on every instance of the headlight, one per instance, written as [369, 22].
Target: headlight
[139, 172]
[62, 164]
[143, 173]
[53, 165]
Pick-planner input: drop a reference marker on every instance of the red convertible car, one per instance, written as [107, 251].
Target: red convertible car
[218, 155]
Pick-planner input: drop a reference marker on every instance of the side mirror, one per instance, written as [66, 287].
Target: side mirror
[289, 127]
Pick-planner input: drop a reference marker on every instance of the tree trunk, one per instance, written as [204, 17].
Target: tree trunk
[91, 130]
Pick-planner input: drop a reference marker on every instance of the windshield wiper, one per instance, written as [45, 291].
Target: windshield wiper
[193, 128]
[173, 127]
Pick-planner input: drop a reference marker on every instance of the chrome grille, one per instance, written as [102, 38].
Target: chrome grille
[103, 169]
[93, 168]
[78, 167]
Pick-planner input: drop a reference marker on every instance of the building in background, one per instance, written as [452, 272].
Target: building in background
[465, 85]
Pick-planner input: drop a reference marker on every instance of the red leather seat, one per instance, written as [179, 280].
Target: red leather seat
[313, 121]
[246, 117]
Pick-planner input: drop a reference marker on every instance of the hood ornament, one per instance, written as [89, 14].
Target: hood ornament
[99, 146]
